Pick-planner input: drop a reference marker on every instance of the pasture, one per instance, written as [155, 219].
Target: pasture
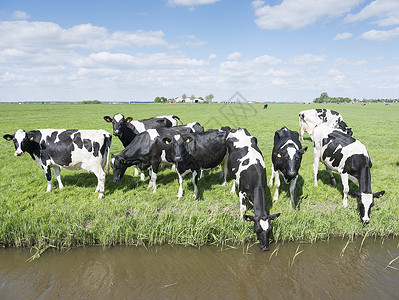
[132, 215]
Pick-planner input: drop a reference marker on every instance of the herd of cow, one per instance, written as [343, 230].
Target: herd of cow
[150, 142]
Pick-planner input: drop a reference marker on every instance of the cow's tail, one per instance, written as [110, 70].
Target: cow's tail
[177, 118]
[107, 142]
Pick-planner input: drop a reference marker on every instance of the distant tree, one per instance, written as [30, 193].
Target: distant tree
[192, 97]
[209, 98]
[91, 102]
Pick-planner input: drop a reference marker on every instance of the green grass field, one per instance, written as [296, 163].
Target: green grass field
[132, 215]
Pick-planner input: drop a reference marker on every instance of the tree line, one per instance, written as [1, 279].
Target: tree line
[324, 98]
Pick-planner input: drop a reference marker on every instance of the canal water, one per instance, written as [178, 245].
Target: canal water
[335, 269]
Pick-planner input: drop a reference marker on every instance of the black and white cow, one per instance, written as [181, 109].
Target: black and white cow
[265, 106]
[247, 168]
[286, 160]
[309, 119]
[342, 153]
[147, 151]
[127, 129]
[197, 151]
[67, 149]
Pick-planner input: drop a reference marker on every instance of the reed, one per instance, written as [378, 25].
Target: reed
[132, 215]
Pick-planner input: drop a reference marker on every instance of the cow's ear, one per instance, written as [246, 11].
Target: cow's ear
[129, 119]
[249, 218]
[8, 137]
[354, 194]
[303, 150]
[108, 119]
[379, 194]
[272, 217]
[30, 136]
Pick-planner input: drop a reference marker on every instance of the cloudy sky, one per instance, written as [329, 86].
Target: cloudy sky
[273, 50]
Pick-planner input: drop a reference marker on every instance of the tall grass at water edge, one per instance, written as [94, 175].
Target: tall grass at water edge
[132, 215]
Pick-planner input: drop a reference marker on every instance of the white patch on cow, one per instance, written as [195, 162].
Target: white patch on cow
[19, 136]
[113, 160]
[170, 118]
[290, 142]
[177, 137]
[138, 125]
[153, 134]
[163, 155]
[264, 224]
[367, 200]
[291, 152]
[118, 117]
[243, 139]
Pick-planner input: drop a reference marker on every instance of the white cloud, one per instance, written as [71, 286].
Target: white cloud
[234, 56]
[36, 35]
[212, 56]
[380, 35]
[193, 41]
[20, 15]
[346, 62]
[385, 13]
[308, 59]
[295, 14]
[343, 36]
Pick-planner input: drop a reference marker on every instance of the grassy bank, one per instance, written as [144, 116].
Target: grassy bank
[131, 214]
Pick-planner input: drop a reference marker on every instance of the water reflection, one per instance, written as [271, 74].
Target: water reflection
[327, 270]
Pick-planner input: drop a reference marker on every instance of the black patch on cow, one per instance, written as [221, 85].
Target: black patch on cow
[87, 144]
[322, 114]
[96, 148]
[245, 162]
[77, 140]
[334, 112]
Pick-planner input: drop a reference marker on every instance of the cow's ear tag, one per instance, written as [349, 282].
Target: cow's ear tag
[166, 142]
[31, 138]
[278, 155]
[188, 140]
[8, 138]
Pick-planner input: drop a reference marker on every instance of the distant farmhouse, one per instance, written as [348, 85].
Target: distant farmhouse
[187, 100]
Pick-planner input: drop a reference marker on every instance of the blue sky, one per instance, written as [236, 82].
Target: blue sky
[287, 50]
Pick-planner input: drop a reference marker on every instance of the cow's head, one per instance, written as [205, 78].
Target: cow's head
[262, 227]
[289, 161]
[365, 202]
[119, 123]
[177, 151]
[119, 166]
[344, 127]
[21, 141]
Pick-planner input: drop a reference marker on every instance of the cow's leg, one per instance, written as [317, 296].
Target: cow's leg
[243, 207]
[345, 183]
[153, 181]
[233, 188]
[47, 172]
[316, 164]
[223, 172]
[333, 182]
[195, 181]
[57, 174]
[142, 176]
[202, 174]
[271, 177]
[173, 168]
[100, 174]
[277, 185]
[301, 131]
[292, 190]
[136, 171]
[180, 180]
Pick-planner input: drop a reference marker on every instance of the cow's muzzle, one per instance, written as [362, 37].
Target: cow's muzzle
[19, 153]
